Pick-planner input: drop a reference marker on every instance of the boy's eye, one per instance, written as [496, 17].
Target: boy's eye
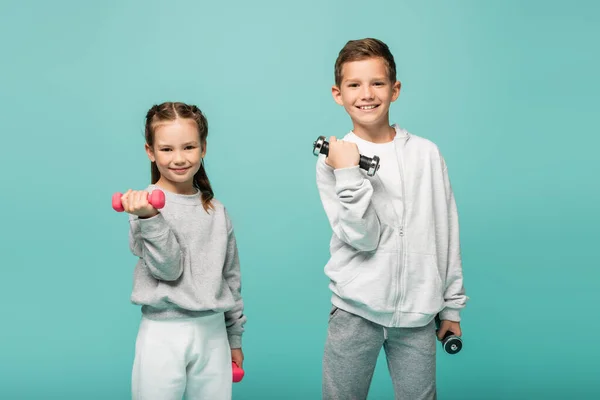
[189, 147]
[379, 83]
[353, 85]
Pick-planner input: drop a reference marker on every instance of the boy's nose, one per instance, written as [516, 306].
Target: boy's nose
[367, 92]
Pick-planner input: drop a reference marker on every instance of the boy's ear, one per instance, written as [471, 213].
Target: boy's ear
[337, 95]
[396, 90]
[150, 152]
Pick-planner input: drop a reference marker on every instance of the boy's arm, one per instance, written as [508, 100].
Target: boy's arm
[234, 318]
[455, 298]
[346, 197]
[152, 240]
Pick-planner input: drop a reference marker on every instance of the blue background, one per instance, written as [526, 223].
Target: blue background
[507, 89]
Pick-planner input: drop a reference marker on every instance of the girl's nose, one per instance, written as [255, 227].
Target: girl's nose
[178, 157]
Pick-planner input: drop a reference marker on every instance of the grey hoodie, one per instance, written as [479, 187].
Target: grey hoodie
[395, 268]
[188, 263]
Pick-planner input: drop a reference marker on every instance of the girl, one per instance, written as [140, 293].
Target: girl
[187, 278]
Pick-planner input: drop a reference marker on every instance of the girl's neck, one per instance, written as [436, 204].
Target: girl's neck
[185, 188]
[375, 134]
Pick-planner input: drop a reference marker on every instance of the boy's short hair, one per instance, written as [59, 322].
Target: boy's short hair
[362, 49]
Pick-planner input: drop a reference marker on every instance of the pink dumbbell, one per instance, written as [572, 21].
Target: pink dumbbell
[238, 373]
[156, 200]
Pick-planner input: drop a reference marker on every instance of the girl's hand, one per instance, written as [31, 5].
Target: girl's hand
[135, 202]
[237, 356]
[446, 326]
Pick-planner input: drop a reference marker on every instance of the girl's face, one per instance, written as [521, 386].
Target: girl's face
[178, 153]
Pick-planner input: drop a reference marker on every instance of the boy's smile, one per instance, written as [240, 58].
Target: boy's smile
[366, 93]
[368, 108]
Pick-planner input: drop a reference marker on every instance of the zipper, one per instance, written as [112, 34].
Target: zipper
[400, 237]
[398, 244]
[402, 225]
[397, 280]
[400, 271]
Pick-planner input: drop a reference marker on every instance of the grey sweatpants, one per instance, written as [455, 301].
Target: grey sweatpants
[353, 346]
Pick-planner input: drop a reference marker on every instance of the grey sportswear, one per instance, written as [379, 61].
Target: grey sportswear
[395, 263]
[353, 346]
[188, 263]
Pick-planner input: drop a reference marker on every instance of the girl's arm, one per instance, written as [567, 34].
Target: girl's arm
[152, 240]
[234, 318]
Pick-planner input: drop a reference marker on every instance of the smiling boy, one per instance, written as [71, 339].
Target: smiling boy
[395, 253]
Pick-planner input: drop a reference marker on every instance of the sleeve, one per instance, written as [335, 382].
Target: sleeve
[455, 297]
[346, 197]
[152, 240]
[235, 318]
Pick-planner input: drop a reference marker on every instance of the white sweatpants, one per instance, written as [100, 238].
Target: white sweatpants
[188, 357]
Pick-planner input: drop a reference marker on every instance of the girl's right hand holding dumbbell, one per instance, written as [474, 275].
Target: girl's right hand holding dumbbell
[135, 202]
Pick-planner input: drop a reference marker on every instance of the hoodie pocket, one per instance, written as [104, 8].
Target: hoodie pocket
[344, 266]
[423, 286]
[374, 283]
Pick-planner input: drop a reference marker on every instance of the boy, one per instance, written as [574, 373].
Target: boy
[395, 254]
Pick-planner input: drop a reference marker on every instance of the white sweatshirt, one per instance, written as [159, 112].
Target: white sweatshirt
[395, 250]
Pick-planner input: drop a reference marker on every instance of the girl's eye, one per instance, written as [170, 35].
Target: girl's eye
[165, 149]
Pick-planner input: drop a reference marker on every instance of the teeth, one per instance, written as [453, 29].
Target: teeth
[367, 107]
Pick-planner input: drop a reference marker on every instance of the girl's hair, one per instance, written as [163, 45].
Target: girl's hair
[170, 111]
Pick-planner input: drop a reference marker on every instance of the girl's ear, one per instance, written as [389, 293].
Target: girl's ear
[203, 150]
[150, 152]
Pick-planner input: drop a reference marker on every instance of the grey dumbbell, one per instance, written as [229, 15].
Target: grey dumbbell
[371, 165]
[451, 343]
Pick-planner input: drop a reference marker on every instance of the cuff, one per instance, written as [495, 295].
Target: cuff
[153, 226]
[351, 176]
[450, 314]
[235, 341]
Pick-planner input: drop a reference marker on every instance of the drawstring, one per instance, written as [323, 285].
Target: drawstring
[385, 333]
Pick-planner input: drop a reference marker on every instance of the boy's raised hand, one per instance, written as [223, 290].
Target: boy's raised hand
[136, 202]
[342, 154]
[446, 326]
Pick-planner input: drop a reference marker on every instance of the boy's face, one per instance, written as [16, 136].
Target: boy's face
[366, 91]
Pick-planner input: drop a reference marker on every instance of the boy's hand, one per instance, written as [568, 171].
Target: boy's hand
[237, 356]
[446, 326]
[136, 202]
[342, 154]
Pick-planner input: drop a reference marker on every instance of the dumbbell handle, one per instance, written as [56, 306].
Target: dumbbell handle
[371, 165]
[238, 373]
[156, 200]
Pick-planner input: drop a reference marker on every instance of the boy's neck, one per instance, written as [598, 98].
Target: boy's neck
[382, 133]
